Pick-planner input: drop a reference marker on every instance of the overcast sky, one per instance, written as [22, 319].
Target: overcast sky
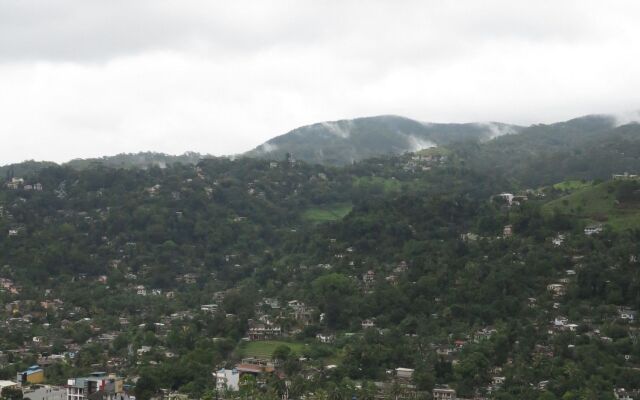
[90, 78]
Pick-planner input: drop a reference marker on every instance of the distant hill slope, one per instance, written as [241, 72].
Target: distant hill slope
[345, 141]
[125, 160]
[22, 169]
[591, 147]
[599, 203]
[139, 160]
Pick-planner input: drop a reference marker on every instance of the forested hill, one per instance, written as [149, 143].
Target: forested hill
[564, 146]
[343, 142]
[586, 148]
[141, 160]
[470, 264]
[412, 261]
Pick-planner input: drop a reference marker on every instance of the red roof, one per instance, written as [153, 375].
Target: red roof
[250, 368]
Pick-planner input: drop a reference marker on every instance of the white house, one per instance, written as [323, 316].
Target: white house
[404, 373]
[592, 230]
[560, 321]
[368, 323]
[227, 379]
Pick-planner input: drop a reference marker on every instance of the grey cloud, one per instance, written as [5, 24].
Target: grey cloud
[88, 78]
[92, 30]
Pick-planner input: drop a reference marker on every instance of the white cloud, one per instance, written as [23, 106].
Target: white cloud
[341, 131]
[416, 143]
[90, 78]
[625, 118]
[496, 130]
[267, 147]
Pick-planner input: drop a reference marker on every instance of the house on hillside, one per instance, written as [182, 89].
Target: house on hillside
[625, 177]
[368, 323]
[325, 338]
[262, 331]
[558, 240]
[627, 314]
[98, 385]
[404, 373]
[507, 231]
[300, 311]
[624, 394]
[444, 393]
[15, 183]
[593, 229]
[556, 289]
[31, 375]
[369, 279]
[227, 379]
[209, 308]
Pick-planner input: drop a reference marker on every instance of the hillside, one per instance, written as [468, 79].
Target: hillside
[591, 147]
[343, 142]
[588, 147]
[167, 274]
[138, 160]
[141, 160]
[599, 203]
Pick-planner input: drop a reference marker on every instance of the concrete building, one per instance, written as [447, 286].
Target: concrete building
[444, 393]
[97, 385]
[404, 373]
[33, 375]
[592, 230]
[227, 379]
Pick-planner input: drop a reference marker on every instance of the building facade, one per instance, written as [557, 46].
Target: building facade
[96, 385]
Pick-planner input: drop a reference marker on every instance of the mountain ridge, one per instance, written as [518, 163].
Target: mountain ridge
[345, 141]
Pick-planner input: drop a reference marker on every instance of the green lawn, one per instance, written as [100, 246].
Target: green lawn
[327, 213]
[264, 349]
[597, 203]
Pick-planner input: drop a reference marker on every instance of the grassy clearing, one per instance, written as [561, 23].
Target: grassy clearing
[264, 349]
[597, 203]
[327, 213]
[386, 185]
[572, 185]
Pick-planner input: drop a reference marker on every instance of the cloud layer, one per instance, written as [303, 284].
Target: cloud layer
[89, 78]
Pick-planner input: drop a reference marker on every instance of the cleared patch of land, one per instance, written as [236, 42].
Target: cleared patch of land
[265, 348]
[572, 185]
[597, 203]
[332, 212]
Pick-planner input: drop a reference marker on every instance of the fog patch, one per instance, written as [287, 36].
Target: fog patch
[625, 118]
[335, 129]
[417, 144]
[496, 130]
[267, 148]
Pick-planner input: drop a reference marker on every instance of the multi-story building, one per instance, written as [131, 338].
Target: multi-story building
[97, 385]
[227, 379]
